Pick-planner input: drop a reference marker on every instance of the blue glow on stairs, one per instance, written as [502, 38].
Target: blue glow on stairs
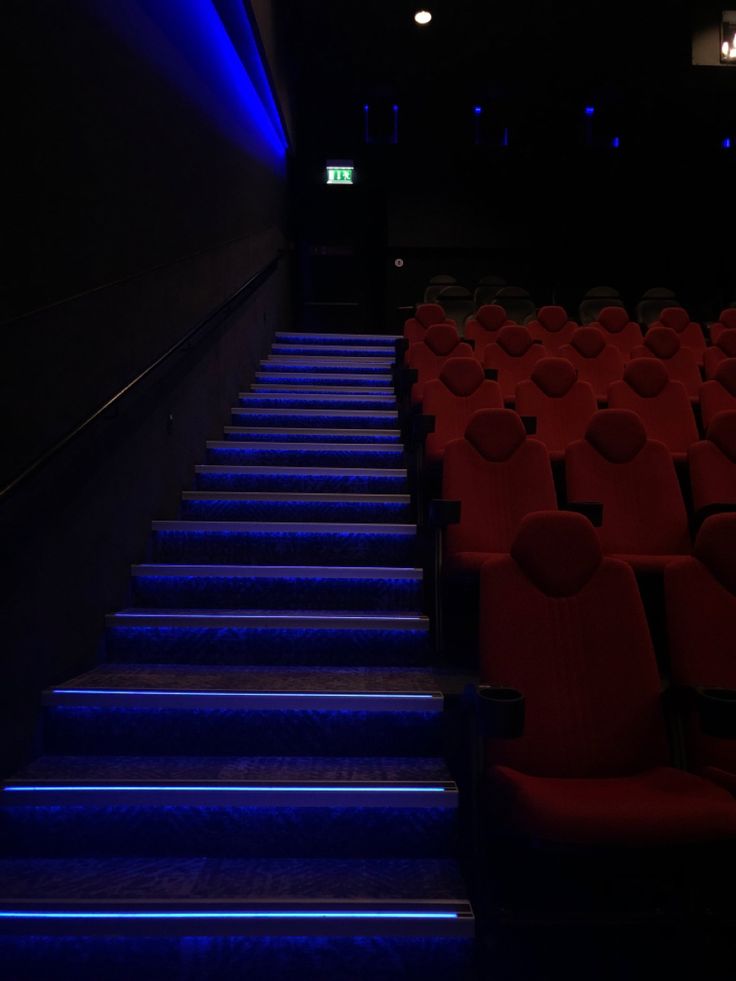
[346, 788]
[236, 694]
[226, 915]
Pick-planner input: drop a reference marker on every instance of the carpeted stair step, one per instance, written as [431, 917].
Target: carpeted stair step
[308, 479]
[268, 506]
[267, 637]
[286, 434]
[315, 418]
[261, 453]
[248, 807]
[303, 542]
[154, 709]
[356, 340]
[331, 379]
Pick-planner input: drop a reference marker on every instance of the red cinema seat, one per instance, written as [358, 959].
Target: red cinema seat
[552, 327]
[598, 362]
[566, 627]
[619, 330]
[690, 334]
[724, 347]
[460, 391]
[701, 618]
[484, 326]
[713, 466]
[499, 474]
[663, 343]
[562, 405]
[644, 518]
[427, 314]
[513, 355]
[719, 394]
[726, 321]
[662, 405]
[428, 357]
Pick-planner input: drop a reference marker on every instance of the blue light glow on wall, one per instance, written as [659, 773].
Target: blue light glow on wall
[207, 50]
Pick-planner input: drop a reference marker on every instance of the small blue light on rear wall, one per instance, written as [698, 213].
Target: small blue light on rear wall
[477, 110]
[616, 142]
[726, 143]
[590, 110]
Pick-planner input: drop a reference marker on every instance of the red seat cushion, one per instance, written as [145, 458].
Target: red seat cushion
[441, 342]
[561, 404]
[453, 398]
[726, 321]
[513, 355]
[664, 343]
[552, 327]
[724, 347]
[719, 394]
[597, 362]
[426, 315]
[618, 329]
[690, 334]
[660, 806]
[713, 463]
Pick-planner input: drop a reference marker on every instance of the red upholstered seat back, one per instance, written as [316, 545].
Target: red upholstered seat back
[426, 315]
[719, 394]
[499, 474]
[483, 328]
[598, 362]
[634, 479]
[712, 464]
[552, 327]
[724, 347]
[726, 321]
[441, 342]
[513, 355]
[662, 405]
[460, 391]
[561, 404]
[663, 343]
[619, 330]
[558, 618]
[700, 595]
[690, 333]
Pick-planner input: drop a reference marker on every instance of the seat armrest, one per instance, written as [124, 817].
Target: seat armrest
[441, 513]
[499, 711]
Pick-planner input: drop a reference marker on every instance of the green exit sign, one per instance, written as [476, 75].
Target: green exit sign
[340, 172]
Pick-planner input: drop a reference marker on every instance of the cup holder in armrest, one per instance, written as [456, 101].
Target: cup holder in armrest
[717, 711]
[500, 711]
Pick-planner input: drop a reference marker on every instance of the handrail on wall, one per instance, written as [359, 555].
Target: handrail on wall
[242, 293]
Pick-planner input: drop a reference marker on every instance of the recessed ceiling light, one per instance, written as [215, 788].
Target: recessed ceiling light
[422, 17]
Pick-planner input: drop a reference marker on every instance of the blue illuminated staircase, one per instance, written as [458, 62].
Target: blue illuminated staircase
[253, 783]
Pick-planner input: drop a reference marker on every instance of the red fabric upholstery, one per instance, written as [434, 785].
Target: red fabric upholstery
[561, 404]
[619, 330]
[724, 347]
[441, 342]
[644, 519]
[552, 327]
[719, 394]
[453, 398]
[499, 474]
[661, 404]
[690, 333]
[598, 362]
[483, 328]
[513, 355]
[713, 464]
[701, 617]
[663, 343]
[426, 315]
[567, 628]
[726, 321]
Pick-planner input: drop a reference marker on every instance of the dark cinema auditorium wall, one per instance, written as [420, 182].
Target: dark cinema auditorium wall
[151, 184]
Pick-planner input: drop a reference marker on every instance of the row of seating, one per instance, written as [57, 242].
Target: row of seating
[513, 357]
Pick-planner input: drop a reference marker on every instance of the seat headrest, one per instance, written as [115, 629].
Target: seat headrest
[663, 342]
[495, 433]
[514, 339]
[647, 376]
[555, 376]
[552, 318]
[491, 316]
[558, 550]
[727, 342]
[715, 547]
[726, 375]
[613, 319]
[728, 317]
[676, 318]
[617, 434]
[430, 313]
[722, 432]
[462, 375]
[441, 338]
[588, 341]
